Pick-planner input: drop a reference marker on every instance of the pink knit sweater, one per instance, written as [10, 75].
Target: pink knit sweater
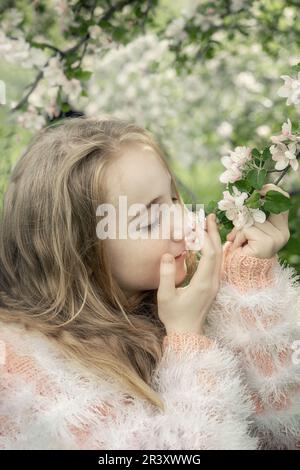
[236, 387]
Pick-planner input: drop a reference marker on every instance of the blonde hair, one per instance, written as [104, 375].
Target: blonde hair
[54, 273]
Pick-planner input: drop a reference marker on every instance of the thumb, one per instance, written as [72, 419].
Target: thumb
[167, 276]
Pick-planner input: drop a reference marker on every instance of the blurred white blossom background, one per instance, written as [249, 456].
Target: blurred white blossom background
[202, 76]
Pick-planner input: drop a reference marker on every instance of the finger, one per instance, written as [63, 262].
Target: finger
[215, 238]
[267, 227]
[272, 187]
[231, 235]
[206, 269]
[280, 221]
[239, 240]
[276, 236]
[213, 232]
[167, 287]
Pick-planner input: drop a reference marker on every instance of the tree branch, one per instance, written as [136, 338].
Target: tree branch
[105, 17]
[83, 40]
[44, 45]
[31, 89]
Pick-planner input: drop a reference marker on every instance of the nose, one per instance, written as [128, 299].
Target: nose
[183, 224]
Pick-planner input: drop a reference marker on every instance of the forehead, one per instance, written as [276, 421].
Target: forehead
[138, 173]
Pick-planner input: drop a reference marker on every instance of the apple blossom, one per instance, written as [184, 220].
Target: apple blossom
[235, 210]
[290, 89]
[286, 133]
[234, 164]
[284, 155]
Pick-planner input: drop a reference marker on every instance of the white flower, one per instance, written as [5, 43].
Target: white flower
[18, 51]
[284, 155]
[234, 164]
[263, 131]
[237, 5]
[257, 215]
[54, 73]
[225, 129]
[246, 217]
[232, 202]
[206, 22]
[11, 20]
[232, 174]
[235, 210]
[31, 119]
[248, 80]
[286, 133]
[290, 89]
[176, 28]
[95, 31]
[72, 88]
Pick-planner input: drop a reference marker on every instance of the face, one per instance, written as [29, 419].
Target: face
[140, 175]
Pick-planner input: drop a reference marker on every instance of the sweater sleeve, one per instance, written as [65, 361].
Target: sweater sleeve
[256, 316]
[49, 402]
[206, 406]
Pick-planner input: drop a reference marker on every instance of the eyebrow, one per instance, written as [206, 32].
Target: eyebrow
[150, 203]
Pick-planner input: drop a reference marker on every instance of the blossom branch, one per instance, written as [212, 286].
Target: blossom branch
[44, 45]
[285, 171]
[105, 17]
[83, 42]
[32, 87]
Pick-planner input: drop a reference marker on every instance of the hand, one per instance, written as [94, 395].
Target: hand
[184, 309]
[263, 240]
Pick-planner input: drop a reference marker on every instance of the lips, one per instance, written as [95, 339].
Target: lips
[181, 254]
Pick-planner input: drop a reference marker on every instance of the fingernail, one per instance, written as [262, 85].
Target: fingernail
[168, 258]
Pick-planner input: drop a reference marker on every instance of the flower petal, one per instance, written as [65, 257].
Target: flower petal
[259, 216]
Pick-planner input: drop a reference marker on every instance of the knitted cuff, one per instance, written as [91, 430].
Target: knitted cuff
[189, 342]
[247, 272]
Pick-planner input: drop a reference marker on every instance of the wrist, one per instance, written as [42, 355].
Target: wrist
[186, 341]
[247, 272]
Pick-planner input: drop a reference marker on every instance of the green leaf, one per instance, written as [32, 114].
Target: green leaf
[82, 74]
[257, 161]
[243, 185]
[256, 153]
[65, 107]
[266, 154]
[296, 67]
[223, 233]
[221, 216]
[257, 178]
[293, 245]
[211, 207]
[253, 201]
[276, 202]
[230, 188]
[119, 33]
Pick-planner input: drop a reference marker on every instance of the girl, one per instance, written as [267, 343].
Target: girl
[121, 343]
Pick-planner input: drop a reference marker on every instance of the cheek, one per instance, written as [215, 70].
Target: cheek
[136, 264]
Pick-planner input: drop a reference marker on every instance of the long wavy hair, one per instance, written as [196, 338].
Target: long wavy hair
[55, 275]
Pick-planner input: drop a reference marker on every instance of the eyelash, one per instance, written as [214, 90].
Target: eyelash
[156, 222]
